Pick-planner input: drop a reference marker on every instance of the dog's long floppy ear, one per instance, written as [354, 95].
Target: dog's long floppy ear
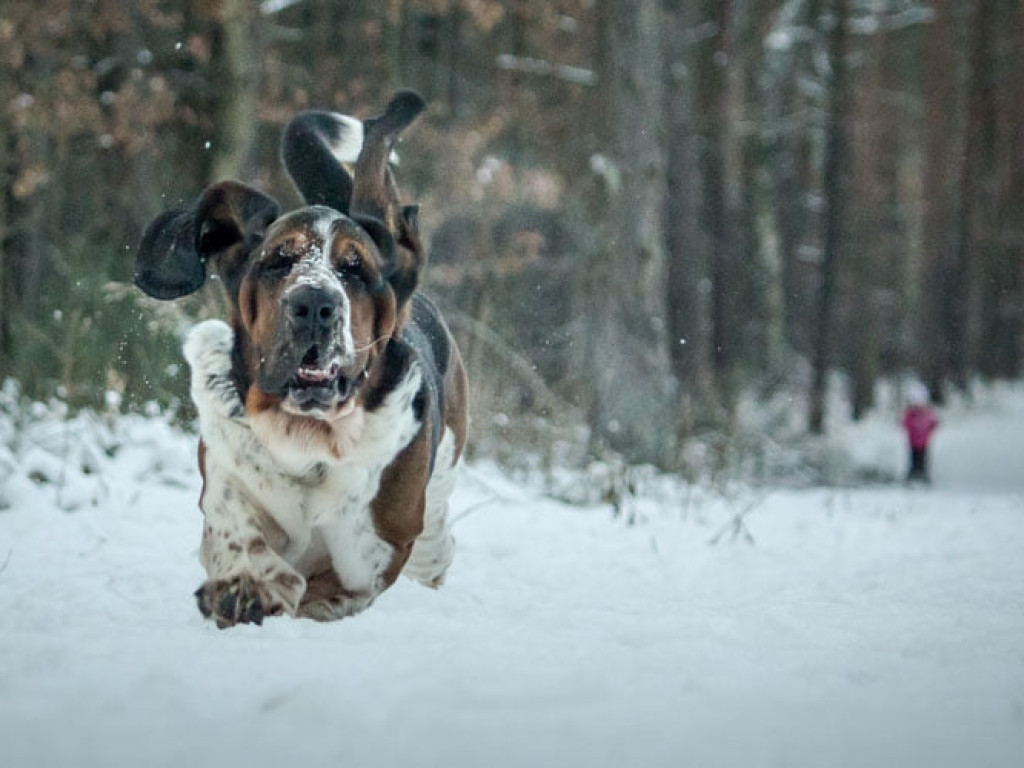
[313, 147]
[374, 192]
[375, 204]
[221, 227]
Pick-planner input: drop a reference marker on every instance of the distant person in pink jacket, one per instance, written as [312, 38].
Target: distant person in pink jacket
[919, 421]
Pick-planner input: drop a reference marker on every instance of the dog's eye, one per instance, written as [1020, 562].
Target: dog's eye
[349, 264]
[278, 262]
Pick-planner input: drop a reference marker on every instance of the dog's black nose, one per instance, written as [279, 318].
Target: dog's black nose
[313, 309]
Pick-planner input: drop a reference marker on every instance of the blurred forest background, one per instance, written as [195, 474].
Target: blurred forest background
[640, 212]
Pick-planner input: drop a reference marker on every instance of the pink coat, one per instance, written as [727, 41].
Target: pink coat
[920, 422]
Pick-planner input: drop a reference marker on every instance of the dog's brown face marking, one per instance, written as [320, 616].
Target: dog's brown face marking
[314, 309]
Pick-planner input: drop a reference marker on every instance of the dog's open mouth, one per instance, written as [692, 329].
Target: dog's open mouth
[320, 384]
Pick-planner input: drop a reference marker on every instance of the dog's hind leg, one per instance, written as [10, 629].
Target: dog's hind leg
[433, 549]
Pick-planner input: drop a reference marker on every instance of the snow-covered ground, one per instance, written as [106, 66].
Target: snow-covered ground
[820, 628]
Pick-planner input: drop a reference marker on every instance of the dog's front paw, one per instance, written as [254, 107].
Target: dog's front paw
[244, 600]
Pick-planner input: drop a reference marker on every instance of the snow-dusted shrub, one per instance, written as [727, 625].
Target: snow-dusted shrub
[71, 458]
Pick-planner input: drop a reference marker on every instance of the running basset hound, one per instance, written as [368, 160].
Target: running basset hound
[332, 404]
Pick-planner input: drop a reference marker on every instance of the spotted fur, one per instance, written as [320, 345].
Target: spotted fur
[332, 403]
[320, 504]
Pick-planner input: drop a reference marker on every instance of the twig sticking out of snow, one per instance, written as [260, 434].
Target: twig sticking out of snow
[496, 495]
[464, 513]
[736, 525]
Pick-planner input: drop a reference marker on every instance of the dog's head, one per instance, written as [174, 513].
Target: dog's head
[316, 293]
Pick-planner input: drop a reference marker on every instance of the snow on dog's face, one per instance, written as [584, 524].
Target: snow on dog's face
[327, 440]
[317, 308]
[316, 293]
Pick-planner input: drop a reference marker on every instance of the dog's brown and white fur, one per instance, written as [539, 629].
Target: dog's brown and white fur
[332, 404]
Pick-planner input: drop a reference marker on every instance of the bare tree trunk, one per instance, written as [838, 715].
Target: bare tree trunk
[758, 301]
[235, 72]
[791, 119]
[999, 212]
[875, 250]
[688, 306]
[941, 128]
[957, 316]
[763, 145]
[713, 105]
[6, 301]
[633, 406]
[1010, 232]
[834, 188]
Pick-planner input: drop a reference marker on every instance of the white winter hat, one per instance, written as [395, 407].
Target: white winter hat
[917, 393]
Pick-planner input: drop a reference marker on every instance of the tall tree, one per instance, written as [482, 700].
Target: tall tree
[941, 143]
[961, 275]
[1001, 195]
[687, 252]
[834, 185]
[235, 72]
[633, 400]
[711, 86]
[876, 248]
[792, 129]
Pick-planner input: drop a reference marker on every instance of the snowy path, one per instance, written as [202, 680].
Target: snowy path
[982, 451]
[862, 628]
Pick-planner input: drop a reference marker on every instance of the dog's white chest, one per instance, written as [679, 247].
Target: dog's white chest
[322, 504]
[329, 516]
